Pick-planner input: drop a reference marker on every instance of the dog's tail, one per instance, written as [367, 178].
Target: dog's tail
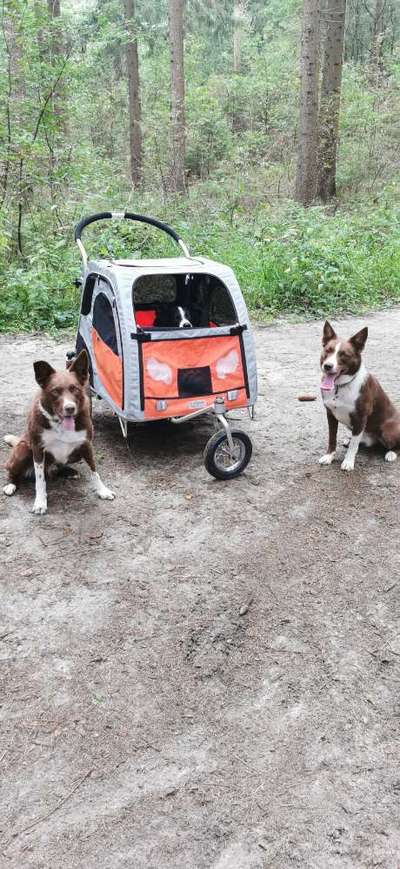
[11, 440]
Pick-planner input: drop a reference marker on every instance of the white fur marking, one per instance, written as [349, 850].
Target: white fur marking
[391, 456]
[40, 505]
[61, 443]
[11, 440]
[327, 459]
[368, 440]
[69, 406]
[52, 419]
[183, 321]
[332, 360]
[342, 401]
[9, 489]
[100, 489]
[348, 462]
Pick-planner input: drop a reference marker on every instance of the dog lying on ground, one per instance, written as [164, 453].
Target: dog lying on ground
[354, 398]
[59, 430]
[173, 316]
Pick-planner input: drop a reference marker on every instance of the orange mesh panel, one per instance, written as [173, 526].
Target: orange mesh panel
[162, 359]
[182, 406]
[109, 368]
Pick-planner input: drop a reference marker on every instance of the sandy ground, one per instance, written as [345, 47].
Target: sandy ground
[147, 723]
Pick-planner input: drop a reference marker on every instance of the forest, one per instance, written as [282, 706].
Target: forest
[266, 132]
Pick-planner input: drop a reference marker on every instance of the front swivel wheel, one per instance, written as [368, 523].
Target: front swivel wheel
[224, 462]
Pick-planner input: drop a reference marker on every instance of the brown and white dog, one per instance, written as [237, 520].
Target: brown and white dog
[354, 398]
[59, 429]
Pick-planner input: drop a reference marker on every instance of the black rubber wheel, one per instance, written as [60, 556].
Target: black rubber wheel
[218, 459]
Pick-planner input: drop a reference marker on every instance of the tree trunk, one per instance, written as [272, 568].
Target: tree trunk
[10, 44]
[12, 182]
[375, 59]
[238, 13]
[353, 28]
[306, 177]
[39, 7]
[135, 108]
[330, 98]
[178, 183]
[57, 50]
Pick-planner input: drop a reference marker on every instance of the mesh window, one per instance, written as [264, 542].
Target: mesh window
[87, 295]
[208, 301]
[206, 298]
[221, 310]
[149, 289]
[104, 323]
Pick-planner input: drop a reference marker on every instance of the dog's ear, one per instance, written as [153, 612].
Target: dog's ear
[43, 372]
[328, 333]
[80, 366]
[358, 340]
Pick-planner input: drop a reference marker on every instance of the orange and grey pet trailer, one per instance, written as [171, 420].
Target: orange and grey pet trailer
[145, 372]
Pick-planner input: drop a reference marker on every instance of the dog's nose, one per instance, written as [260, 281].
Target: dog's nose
[69, 408]
[328, 366]
[187, 326]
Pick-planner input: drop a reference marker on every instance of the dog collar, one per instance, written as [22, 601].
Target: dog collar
[46, 414]
[346, 383]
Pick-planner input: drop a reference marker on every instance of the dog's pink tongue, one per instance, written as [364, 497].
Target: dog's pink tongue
[68, 423]
[328, 381]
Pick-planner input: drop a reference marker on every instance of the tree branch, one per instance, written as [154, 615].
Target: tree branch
[49, 96]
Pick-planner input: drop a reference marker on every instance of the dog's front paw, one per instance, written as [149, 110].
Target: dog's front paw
[39, 507]
[347, 464]
[9, 489]
[391, 456]
[327, 459]
[106, 494]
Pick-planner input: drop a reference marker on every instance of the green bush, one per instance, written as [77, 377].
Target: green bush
[306, 262]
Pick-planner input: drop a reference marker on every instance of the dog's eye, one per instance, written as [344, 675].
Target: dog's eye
[55, 393]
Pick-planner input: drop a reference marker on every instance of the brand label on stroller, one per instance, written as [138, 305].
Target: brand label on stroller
[197, 404]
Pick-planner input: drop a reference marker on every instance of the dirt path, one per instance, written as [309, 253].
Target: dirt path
[166, 730]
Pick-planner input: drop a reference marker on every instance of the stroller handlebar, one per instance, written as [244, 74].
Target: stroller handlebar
[125, 215]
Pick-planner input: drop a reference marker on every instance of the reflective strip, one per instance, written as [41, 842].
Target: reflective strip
[183, 406]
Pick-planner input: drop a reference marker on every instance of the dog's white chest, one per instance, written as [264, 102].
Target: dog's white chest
[62, 443]
[340, 408]
[341, 401]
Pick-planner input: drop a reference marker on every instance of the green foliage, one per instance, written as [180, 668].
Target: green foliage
[308, 262]
[317, 264]
[210, 138]
[65, 156]
[40, 294]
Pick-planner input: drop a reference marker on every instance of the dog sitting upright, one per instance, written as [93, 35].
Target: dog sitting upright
[59, 430]
[354, 398]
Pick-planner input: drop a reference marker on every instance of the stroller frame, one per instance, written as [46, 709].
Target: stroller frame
[229, 450]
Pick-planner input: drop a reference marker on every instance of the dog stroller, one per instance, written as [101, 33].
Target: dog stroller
[146, 373]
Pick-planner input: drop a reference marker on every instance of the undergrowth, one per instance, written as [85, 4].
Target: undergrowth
[287, 259]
